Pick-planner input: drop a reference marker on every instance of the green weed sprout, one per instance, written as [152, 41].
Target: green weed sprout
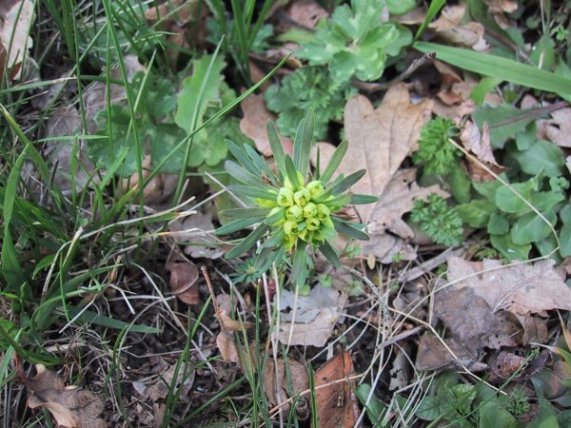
[440, 222]
[435, 152]
[295, 211]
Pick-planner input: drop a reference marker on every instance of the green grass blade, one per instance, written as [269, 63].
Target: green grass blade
[498, 67]
[433, 9]
[334, 163]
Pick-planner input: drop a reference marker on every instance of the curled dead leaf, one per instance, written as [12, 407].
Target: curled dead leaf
[276, 380]
[449, 27]
[71, 407]
[479, 144]
[183, 281]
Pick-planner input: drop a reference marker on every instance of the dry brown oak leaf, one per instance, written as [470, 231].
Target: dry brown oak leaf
[379, 139]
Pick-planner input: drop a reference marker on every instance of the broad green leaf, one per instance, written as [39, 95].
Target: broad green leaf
[189, 104]
[476, 213]
[399, 7]
[492, 414]
[460, 184]
[505, 121]
[565, 232]
[430, 408]
[494, 66]
[510, 202]
[375, 408]
[509, 249]
[498, 224]
[541, 156]
[532, 228]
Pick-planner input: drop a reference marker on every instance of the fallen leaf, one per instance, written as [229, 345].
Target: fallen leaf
[309, 320]
[65, 121]
[16, 18]
[253, 124]
[505, 364]
[434, 355]
[450, 28]
[558, 128]
[380, 139]
[334, 402]
[306, 13]
[276, 381]
[157, 190]
[518, 288]
[496, 6]
[196, 234]
[182, 281]
[70, 406]
[472, 322]
[227, 347]
[479, 144]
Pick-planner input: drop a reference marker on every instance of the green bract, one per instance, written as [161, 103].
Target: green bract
[294, 209]
[355, 42]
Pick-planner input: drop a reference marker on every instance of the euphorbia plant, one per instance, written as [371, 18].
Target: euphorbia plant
[295, 210]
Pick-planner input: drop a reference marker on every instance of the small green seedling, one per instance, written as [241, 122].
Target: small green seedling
[295, 210]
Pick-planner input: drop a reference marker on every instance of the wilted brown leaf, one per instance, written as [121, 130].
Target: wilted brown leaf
[309, 320]
[15, 21]
[276, 381]
[478, 143]
[305, 12]
[196, 233]
[558, 128]
[380, 139]
[496, 6]
[70, 406]
[434, 355]
[253, 124]
[182, 281]
[450, 28]
[227, 347]
[520, 288]
[334, 402]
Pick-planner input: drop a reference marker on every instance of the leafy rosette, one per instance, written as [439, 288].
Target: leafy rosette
[294, 210]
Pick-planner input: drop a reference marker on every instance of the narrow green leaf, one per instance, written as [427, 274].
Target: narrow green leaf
[335, 161]
[349, 230]
[433, 9]
[254, 192]
[240, 154]
[291, 172]
[299, 266]
[246, 212]
[501, 68]
[248, 242]
[357, 199]
[276, 145]
[275, 217]
[347, 182]
[261, 164]
[330, 254]
[238, 224]
[303, 143]
[105, 321]
[243, 176]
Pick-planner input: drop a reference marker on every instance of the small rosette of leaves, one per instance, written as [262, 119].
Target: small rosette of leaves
[294, 210]
[435, 152]
[436, 219]
[355, 43]
[304, 89]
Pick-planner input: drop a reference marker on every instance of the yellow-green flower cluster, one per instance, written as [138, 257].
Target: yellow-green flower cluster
[303, 212]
